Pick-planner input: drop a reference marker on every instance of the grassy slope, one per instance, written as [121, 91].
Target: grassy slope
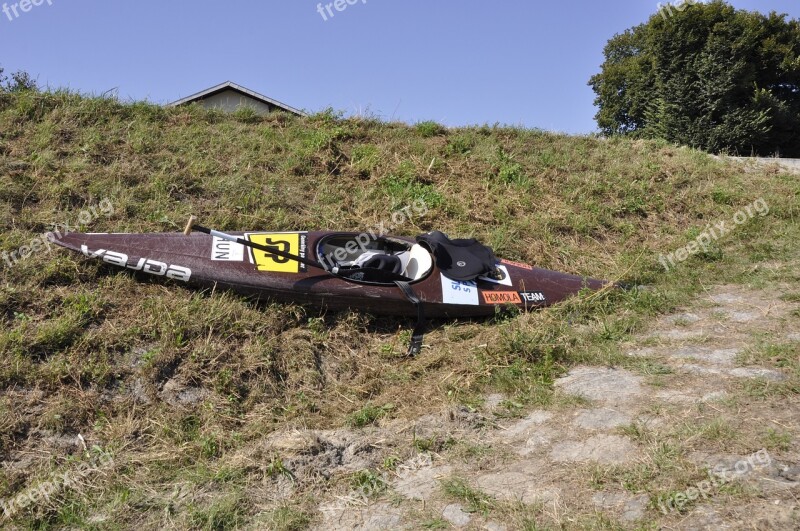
[87, 349]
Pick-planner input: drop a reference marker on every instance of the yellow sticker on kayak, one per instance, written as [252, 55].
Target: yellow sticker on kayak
[288, 242]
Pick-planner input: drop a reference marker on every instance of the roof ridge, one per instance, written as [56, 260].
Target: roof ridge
[239, 88]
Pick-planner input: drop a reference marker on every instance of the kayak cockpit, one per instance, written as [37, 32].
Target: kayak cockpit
[381, 260]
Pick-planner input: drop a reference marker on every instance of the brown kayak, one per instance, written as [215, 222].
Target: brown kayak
[208, 261]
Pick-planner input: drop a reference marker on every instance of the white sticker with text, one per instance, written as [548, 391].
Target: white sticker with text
[457, 292]
[226, 251]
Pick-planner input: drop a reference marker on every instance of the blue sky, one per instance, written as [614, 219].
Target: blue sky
[519, 62]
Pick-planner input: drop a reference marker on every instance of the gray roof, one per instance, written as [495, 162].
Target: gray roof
[229, 85]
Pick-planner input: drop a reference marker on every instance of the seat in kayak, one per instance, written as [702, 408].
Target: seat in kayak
[383, 261]
[379, 260]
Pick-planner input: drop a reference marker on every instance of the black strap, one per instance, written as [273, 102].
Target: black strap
[415, 346]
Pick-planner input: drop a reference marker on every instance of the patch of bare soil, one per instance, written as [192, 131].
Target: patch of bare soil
[700, 443]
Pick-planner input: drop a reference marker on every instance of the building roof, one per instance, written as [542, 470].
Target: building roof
[229, 85]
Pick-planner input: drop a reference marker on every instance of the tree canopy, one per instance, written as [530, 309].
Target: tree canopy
[708, 76]
[19, 81]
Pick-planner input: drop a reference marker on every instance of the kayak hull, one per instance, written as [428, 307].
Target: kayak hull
[207, 262]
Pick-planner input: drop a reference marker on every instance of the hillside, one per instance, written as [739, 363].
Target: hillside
[193, 393]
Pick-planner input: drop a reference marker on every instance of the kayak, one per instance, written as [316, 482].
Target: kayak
[379, 274]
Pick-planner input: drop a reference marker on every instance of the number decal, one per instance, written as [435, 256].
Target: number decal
[289, 242]
[279, 245]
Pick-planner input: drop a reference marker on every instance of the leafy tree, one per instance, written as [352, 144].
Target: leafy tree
[709, 76]
[19, 81]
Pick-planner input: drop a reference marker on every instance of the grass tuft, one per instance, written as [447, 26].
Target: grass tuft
[474, 500]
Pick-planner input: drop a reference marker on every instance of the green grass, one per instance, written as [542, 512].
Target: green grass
[220, 515]
[777, 440]
[89, 349]
[369, 414]
[474, 500]
[430, 129]
[285, 518]
[368, 483]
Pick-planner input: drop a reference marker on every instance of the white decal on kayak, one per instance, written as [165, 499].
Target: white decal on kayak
[226, 251]
[152, 267]
[533, 297]
[506, 280]
[457, 292]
